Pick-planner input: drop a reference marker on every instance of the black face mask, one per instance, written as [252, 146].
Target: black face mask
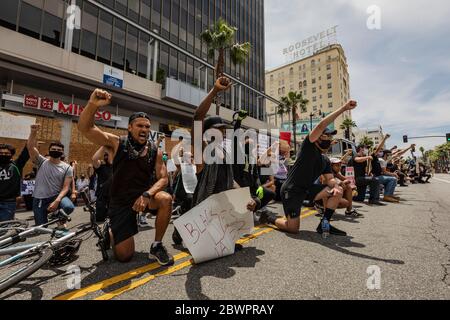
[55, 154]
[5, 159]
[325, 144]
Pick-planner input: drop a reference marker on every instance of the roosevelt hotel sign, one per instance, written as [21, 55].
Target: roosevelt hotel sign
[310, 45]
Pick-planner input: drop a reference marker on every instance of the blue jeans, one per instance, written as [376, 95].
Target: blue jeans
[40, 208]
[389, 184]
[7, 211]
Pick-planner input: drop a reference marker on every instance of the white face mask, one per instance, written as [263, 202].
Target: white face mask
[365, 152]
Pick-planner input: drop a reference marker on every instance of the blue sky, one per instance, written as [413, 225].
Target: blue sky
[400, 74]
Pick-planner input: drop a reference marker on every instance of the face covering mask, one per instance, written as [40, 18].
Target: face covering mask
[165, 158]
[380, 155]
[5, 159]
[55, 154]
[365, 152]
[325, 144]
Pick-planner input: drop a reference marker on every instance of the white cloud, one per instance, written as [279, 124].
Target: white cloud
[400, 74]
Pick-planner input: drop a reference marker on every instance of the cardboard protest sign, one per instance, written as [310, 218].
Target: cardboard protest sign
[211, 229]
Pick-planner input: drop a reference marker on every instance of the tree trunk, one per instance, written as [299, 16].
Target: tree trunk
[219, 73]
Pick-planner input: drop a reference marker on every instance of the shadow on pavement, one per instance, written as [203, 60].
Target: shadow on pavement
[221, 268]
[339, 244]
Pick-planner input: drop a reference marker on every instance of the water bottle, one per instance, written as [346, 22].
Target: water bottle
[325, 228]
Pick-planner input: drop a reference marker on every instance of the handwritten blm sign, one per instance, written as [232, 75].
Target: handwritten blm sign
[211, 229]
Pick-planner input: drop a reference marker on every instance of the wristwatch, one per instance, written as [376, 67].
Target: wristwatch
[146, 195]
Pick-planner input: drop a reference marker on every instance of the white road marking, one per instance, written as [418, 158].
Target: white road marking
[441, 180]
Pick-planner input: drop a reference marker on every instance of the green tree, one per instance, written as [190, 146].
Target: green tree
[281, 111]
[220, 37]
[366, 141]
[292, 102]
[346, 125]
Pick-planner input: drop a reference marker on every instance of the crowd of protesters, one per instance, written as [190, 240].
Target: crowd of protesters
[128, 176]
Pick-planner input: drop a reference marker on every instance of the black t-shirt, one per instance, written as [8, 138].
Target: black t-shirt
[360, 168]
[10, 177]
[376, 166]
[308, 167]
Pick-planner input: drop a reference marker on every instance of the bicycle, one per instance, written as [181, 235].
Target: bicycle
[26, 259]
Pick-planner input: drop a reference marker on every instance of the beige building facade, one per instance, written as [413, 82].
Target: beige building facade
[324, 81]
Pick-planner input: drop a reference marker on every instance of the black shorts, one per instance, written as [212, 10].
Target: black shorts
[123, 221]
[293, 200]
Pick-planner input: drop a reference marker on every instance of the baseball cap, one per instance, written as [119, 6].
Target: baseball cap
[335, 161]
[329, 132]
[138, 115]
[216, 123]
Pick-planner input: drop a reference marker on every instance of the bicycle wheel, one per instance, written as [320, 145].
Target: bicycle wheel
[15, 271]
[9, 228]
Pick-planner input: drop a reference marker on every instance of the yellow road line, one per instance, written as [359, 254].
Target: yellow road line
[143, 281]
[183, 265]
[116, 279]
[153, 266]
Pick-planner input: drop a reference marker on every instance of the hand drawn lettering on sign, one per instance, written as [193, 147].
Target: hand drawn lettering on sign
[211, 229]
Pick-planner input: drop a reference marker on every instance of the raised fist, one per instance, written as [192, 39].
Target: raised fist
[100, 98]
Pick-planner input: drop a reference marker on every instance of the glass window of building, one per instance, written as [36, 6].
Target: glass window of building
[30, 17]
[175, 21]
[118, 59]
[132, 49]
[314, 99]
[121, 6]
[8, 13]
[144, 17]
[329, 76]
[104, 37]
[52, 25]
[89, 30]
[156, 14]
[313, 81]
[330, 86]
[330, 95]
[143, 54]
[314, 90]
[330, 104]
[133, 10]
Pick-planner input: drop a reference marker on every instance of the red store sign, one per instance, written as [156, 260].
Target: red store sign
[71, 109]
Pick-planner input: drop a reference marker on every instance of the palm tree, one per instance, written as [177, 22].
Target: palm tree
[281, 110]
[220, 37]
[422, 151]
[346, 125]
[366, 141]
[292, 102]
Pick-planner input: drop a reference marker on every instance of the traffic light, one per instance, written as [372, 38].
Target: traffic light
[448, 137]
[405, 139]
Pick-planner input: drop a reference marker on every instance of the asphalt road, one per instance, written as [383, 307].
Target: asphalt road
[403, 249]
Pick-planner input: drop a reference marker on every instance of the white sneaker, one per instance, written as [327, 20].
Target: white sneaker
[142, 221]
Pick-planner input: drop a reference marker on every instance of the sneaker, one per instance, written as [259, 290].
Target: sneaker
[337, 232]
[142, 221]
[376, 203]
[159, 252]
[61, 231]
[353, 213]
[267, 217]
[332, 230]
[390, 199]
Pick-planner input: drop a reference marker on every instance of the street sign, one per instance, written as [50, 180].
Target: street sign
[112, 76]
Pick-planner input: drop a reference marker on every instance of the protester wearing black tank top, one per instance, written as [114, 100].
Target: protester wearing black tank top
[139, 178]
